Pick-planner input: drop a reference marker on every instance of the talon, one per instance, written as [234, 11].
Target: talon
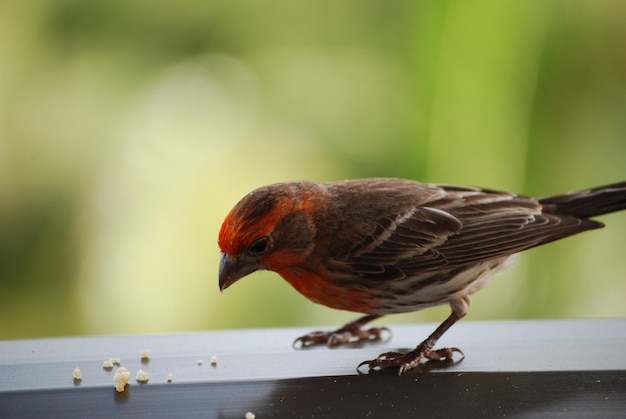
[410, 360]
[311, 339]
[383, 361]
[389, 357]
[351, 333]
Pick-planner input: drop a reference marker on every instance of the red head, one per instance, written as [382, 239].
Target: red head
[270, 228]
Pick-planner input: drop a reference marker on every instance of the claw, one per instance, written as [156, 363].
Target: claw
[311, 339]
[410, 360]
[343, 336]
[385, 360]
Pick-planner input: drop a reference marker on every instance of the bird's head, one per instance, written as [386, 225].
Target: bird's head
[270, 228]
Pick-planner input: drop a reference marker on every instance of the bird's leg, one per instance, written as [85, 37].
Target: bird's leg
[351, 333]
[424, 351]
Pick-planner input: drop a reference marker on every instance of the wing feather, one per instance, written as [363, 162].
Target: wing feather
[455, 226]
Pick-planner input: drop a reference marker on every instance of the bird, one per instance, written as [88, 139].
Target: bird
[380, 246]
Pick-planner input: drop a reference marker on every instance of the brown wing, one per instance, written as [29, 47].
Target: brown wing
[453, 226]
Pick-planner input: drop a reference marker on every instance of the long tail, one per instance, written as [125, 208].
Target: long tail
[589, 202]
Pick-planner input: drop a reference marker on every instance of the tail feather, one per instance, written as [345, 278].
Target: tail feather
[587, 203]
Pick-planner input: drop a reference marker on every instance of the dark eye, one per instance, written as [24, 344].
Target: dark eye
[260, 245]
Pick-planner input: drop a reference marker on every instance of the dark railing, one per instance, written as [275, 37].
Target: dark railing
[511, 369]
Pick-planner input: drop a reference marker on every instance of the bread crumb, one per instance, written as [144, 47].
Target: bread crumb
[170, 377]
[77, 374]
[250, 415]
[109, 363]
[142, 376]
[120, 379]
[145, 354]
[199, 362]
[213, 360]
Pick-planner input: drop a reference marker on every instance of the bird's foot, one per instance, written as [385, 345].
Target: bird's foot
[411, 360]
[350, 334]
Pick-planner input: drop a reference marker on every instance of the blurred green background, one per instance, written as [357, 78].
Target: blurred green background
[128, 129]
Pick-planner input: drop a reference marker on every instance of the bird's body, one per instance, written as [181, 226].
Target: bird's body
[384, 246]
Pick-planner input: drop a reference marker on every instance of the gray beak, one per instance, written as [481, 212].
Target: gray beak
[233, 269]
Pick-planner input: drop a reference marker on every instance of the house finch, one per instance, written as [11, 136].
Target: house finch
[384, 246]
